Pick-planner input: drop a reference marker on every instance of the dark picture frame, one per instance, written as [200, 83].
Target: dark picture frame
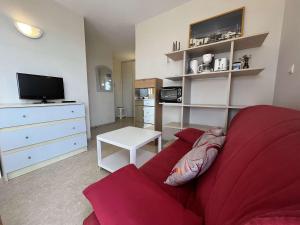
[218, 28]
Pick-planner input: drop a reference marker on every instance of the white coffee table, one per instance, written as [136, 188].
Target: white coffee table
[131, 139]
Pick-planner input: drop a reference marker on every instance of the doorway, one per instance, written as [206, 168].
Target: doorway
[128, 77]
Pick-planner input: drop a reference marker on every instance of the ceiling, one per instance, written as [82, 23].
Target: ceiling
[115, 20]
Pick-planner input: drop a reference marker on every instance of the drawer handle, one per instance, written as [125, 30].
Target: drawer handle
[74, 128]
[29, 157]
[75, 143]
[24, 116]
[72, 111]
[27, 137]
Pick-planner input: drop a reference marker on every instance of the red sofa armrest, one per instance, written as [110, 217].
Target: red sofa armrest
[128, 197]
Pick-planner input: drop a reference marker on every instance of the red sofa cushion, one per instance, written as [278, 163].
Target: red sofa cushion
[189, 135]
[274, 221]
[160, 166]
[258, 170]
[91, 220]
[128, 197]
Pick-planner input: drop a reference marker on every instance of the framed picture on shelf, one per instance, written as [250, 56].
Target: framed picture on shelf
[218, 28]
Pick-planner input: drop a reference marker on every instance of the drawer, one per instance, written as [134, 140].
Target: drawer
[23, 136]
[10, 117]
[18, 160]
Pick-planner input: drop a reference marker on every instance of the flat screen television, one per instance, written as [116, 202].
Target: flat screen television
[40, 87]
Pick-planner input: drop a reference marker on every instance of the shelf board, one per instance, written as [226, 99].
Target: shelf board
[216, 106]
[237, 106]
[241, 43]
[120, 159]
[174, 78]
[244, 72]
[198, 126]
[177, 125]
[209, 106]
[173, 125]
[252, 41]
[170, 104]
[217, 47]
[247, 72]
[208, 75]
[176, 56]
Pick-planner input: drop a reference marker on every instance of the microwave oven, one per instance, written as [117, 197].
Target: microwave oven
[171, 94]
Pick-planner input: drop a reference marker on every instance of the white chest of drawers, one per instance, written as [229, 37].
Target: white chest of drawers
[32, 136]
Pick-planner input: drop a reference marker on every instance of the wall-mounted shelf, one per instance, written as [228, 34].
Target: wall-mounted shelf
[218, 74]
[176, 56]
[177, 125]
[173, 125]
[237, 106]
[198, 126]
[208, 106]
[253, 41]
[247, 72]
[211, 106]
[188, 110]
[241, 43]
[170, 104]
[206, 75]
[174, 78]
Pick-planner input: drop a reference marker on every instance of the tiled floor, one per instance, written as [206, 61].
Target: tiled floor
[53, 195]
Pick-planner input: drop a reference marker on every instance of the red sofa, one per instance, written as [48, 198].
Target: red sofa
[254, 180]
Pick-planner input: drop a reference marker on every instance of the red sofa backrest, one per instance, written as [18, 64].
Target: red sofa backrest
[258, 172]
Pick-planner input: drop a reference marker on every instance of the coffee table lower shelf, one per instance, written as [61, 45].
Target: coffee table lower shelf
[120, 159]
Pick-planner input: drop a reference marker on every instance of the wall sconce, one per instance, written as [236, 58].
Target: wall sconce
[28, 30]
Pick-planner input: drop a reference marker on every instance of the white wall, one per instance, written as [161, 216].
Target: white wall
[287, 87]
[98, 53]
[154, 38]
[61, 51]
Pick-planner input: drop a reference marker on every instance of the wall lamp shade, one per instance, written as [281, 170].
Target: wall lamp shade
[28, 30]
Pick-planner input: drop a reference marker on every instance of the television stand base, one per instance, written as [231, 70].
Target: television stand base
[44, 102]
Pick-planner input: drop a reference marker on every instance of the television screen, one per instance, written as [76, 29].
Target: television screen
[40, 87]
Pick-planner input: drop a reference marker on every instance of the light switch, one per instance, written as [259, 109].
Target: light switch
[292, 69]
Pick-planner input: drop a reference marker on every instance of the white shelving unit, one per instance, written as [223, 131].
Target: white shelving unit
[175, 125]
[227, 46]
